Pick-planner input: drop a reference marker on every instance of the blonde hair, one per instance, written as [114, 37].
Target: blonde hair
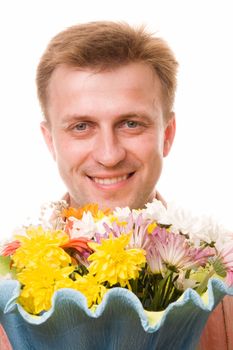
[105, 45]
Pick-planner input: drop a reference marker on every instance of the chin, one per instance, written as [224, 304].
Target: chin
[111, 202]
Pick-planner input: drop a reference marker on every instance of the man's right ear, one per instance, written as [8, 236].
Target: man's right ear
[47, 134]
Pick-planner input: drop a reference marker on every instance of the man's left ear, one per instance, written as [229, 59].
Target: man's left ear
[169, 134]
[46, 131]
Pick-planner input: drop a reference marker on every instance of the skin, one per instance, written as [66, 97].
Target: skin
[107, 133]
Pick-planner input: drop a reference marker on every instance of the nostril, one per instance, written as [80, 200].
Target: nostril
[109, 156]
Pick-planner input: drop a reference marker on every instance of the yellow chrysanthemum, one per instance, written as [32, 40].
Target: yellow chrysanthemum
[40, 283]
[91, 288]
[113, 263]
[39, 246]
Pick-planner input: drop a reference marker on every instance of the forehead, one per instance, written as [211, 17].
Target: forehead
[129, 75]
[132, 83]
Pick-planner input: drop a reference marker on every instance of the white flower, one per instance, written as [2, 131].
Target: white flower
[156, 211]
[180, 219]
[198, 228]
[87, 227]
[121, 214]
[100, 228]
[208, 230]
[83, 228]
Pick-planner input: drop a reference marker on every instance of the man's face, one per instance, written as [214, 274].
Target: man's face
[107, 134]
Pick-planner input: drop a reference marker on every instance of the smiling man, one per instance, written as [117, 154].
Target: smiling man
[107, 132]
[107, 93]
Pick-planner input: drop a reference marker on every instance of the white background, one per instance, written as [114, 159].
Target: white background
[197, 174]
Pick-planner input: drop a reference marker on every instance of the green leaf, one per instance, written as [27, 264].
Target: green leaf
[219, 268]
[5, 267]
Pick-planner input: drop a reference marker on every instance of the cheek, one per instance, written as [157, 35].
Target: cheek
[70, 153]
[150, 149]
[65, 150]
[151, 157]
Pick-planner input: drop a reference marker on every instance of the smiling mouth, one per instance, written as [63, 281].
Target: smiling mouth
[111, 180]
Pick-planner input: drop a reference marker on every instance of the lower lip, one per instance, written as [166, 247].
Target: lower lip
[111, 187]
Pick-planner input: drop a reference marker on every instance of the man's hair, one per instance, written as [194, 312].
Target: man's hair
[106, 45]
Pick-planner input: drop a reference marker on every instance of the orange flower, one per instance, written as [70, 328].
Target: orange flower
[78, 213]
[78, 249]
[80, 244]
[10, 248]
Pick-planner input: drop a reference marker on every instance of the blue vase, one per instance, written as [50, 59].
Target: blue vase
[118, 323]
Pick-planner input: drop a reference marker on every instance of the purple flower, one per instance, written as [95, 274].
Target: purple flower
[170, 251]
[225, 252]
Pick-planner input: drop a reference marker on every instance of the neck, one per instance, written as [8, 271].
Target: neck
[70, 203]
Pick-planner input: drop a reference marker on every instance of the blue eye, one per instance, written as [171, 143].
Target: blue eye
[81, 126]
[131, 124]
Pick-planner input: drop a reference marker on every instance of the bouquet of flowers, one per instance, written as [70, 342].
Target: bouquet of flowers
[154, 253]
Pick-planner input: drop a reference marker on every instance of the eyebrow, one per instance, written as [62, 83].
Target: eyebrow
[84, 117]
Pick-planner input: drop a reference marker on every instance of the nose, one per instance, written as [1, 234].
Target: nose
[108, 149]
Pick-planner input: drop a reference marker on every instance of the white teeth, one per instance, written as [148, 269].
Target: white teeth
[110, 181]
